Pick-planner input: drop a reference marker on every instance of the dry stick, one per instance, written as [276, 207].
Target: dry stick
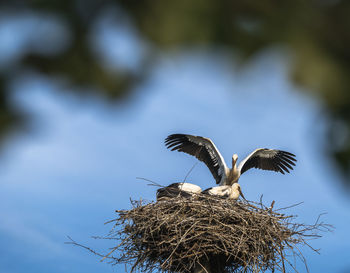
[87, 248]
[114, 249]
[202, 266]
[188, 173]
[282, 257]
[152, 182]
[179, 243]
[292, 206]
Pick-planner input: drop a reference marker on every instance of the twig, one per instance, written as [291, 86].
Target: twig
[188, 173]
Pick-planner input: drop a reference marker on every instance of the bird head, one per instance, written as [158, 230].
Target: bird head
[234, 159]
[237, 187]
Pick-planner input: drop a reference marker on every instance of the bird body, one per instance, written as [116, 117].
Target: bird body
[205, 150]
[226, 191]
[178, 189]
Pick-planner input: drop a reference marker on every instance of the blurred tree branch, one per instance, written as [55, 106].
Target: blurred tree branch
[316, 32]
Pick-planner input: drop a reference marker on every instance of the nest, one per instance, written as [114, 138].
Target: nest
[207, 235]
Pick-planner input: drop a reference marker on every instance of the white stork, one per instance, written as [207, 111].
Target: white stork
[226, 191]
[178, 189]
[205, 150]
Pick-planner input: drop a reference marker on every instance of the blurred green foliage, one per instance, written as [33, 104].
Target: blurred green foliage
[315, 32]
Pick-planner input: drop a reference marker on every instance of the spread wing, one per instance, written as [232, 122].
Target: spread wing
[267, 159]
[203, 149]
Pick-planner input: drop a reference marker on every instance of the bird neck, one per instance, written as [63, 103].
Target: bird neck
[233, 176]
[234, 166]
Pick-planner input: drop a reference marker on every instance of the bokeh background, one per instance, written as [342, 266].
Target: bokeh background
[89, 90]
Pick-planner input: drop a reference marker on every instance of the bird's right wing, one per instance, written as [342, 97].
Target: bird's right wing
[268, 159]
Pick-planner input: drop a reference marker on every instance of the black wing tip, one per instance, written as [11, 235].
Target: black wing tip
[206, 191]
[174, 140]
[285, 161]
[174, 137]
[172, 192]
[289, 155]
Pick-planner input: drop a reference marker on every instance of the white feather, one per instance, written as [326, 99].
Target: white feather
[188, 187]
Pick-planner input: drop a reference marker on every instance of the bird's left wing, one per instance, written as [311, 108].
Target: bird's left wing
[268, 159]
[203, 149]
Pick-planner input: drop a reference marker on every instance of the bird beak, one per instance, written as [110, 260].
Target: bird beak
[241, 193]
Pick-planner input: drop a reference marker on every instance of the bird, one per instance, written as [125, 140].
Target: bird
[183, 189]
[230, 192]
[205, 150]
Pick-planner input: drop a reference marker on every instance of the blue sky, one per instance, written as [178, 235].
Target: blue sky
[81, 160]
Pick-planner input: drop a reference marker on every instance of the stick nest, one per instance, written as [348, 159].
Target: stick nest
[220, 235]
